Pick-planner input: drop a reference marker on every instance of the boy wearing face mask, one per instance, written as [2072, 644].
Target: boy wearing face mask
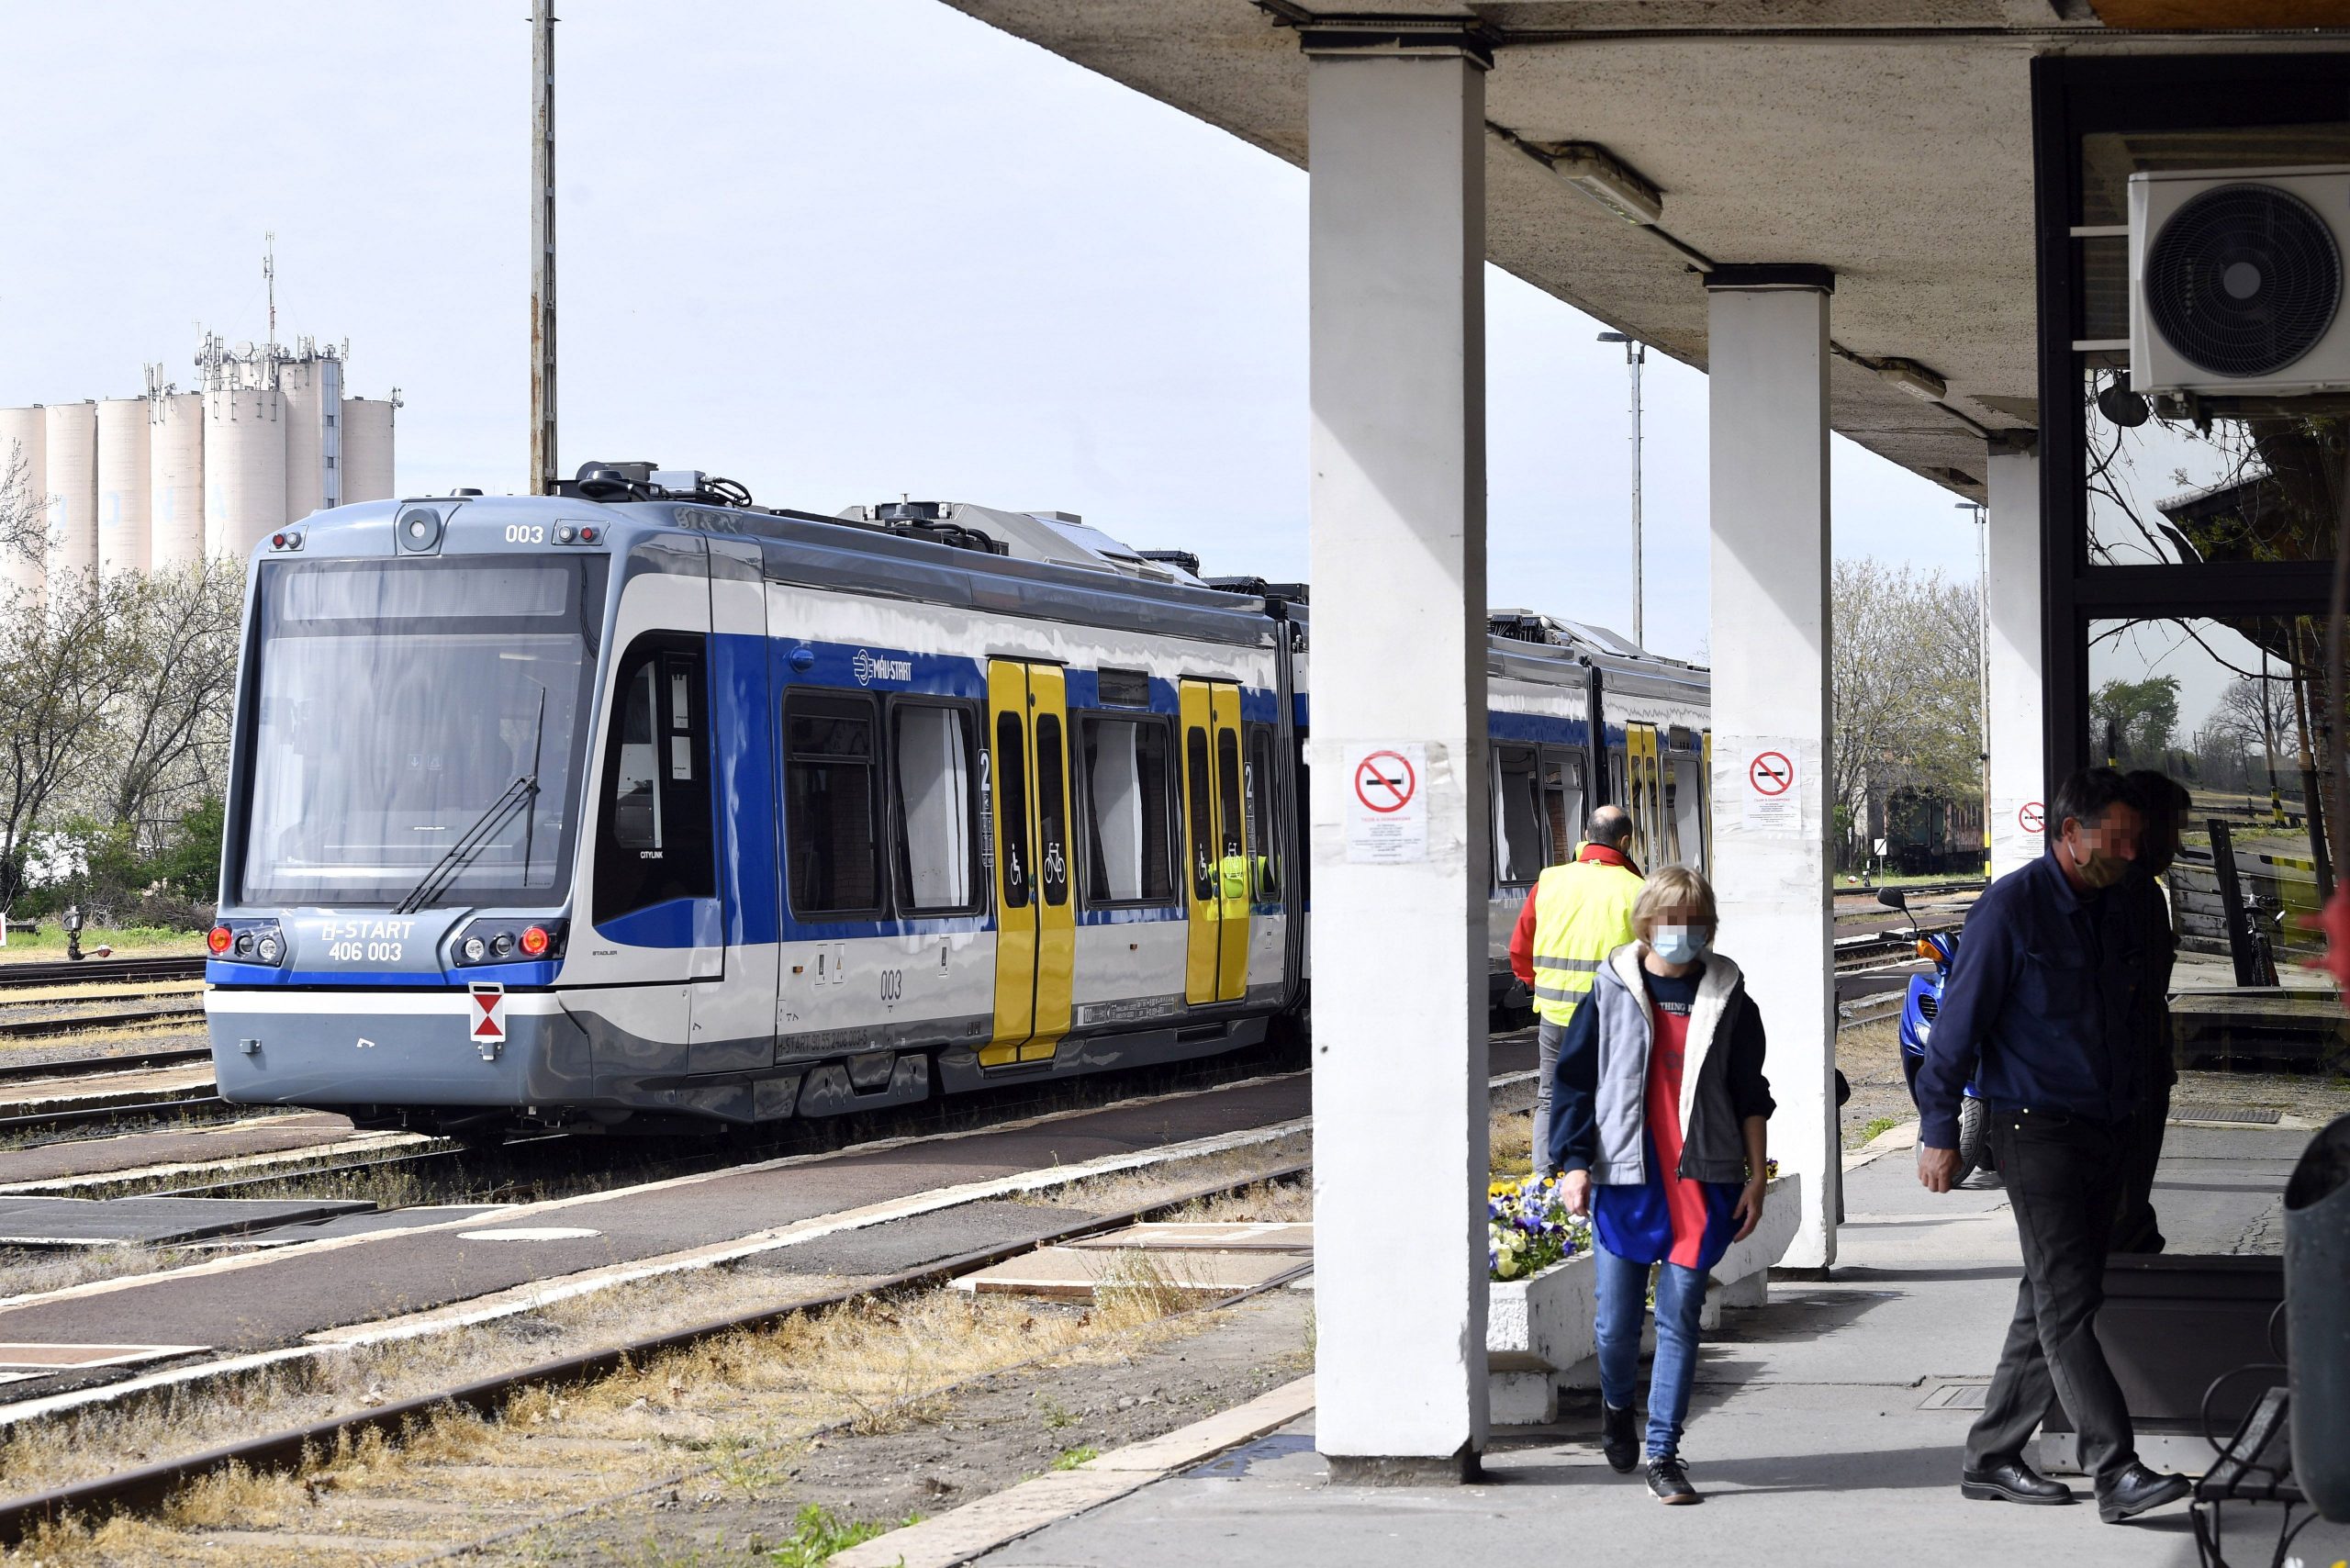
[1659, 1108]
[2040, 1012]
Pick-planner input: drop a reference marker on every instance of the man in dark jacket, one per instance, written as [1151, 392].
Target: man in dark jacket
[2166, 804]
[2038, 1015]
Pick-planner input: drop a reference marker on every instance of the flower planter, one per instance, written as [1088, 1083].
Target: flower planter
[1538, 1330]
[1535, 1330]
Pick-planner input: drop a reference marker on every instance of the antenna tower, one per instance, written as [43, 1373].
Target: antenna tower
[269, 278]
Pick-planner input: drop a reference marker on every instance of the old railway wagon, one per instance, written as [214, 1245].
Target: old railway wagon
[639, 807]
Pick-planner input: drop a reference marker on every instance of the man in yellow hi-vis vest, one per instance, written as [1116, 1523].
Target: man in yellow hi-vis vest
[1577, 915]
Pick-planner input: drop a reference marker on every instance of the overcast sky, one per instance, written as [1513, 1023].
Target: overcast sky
[838, 264]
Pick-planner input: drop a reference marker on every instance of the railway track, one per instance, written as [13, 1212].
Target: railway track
[48, 1026]
[1860, 952]
[150, 1486]
[98, 971]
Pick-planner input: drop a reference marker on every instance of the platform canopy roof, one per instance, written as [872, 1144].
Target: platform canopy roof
[1888, 140]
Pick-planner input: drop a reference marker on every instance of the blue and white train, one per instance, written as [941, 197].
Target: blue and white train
[639, 807]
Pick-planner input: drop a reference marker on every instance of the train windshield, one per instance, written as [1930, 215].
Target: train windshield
[394, 702]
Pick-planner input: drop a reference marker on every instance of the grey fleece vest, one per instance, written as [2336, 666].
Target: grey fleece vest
[1712, 1148]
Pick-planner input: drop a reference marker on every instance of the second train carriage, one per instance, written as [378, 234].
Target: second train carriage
[639, 806]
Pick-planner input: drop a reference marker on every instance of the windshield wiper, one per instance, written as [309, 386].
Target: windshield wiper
[523, 792]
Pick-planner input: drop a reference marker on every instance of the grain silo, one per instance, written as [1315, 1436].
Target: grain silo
[123, 484]
[244, 468]
[72, 458]
[24, 499]
[367, 449]
[311, 384]
[175, 478]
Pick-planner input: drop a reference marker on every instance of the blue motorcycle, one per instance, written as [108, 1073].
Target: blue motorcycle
[1917, 1012]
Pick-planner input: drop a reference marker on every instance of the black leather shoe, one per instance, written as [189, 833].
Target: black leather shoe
[1668, 1482]
[2010, 1480]
[1617, 1438]
[2137, 1489]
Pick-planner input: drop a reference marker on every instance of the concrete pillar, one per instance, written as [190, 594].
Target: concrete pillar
[1767, 404]
[1396, 119]
[2018, 738]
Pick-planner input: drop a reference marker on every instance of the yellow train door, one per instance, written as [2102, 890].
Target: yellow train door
[1215, 826]
[1647, 802]
[1027, 793]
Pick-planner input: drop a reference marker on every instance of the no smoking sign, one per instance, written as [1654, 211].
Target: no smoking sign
[1774, 797]
[1385, 781]
[1387, 808]
[2032, 817]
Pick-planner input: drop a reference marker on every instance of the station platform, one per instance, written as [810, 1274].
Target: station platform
[1821, 1429]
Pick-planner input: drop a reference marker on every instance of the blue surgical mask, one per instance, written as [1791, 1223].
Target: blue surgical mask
[1679, 944]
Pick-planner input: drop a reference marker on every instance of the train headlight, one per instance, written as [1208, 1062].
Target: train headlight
[268, 948]
[218, 940]
[244, 944]
[493, 940]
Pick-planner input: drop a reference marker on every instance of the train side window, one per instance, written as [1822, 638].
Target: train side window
[1232, 871]
[1129, 828]
[1267, 865]
[1010, 763]
[1052, 811]
[1563, 807]
[654, 840]
[829, 805]
[1686, 799]
[1201, 792]
[930, 760]
[1517, 817]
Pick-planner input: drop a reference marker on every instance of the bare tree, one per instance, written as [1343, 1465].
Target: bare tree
[1908, 662]
[167, 733]
[60, 676]
[23, 516]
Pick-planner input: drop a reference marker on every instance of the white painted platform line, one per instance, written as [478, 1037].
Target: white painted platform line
[978, 1528]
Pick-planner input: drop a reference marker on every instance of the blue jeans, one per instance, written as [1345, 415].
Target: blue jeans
[1622, 1289]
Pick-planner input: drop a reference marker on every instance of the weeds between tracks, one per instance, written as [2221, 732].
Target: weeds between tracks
[739, 1410]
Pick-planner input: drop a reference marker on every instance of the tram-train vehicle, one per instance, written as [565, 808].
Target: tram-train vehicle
[637, 806]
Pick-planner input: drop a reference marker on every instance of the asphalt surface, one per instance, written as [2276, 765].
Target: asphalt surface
[177, 1145]
[1817, 1433]
[276, 1298]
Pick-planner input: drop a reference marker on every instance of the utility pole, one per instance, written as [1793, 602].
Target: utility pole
[1635, 355]
[542, 447]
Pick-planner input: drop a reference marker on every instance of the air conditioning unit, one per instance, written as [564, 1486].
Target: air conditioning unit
[2237, 282]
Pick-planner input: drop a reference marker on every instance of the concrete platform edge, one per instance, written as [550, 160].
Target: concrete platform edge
[982, 1525]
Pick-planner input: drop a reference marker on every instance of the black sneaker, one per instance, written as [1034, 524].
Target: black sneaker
[1617, 1438]
[1668, 1482]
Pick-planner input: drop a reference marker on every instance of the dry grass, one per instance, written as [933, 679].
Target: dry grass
[33, 1272]
[1510, 1138]
[1139, 1188]
[868, 1364]
[1266, 1202]
[388, 1187]
[741, 1407]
